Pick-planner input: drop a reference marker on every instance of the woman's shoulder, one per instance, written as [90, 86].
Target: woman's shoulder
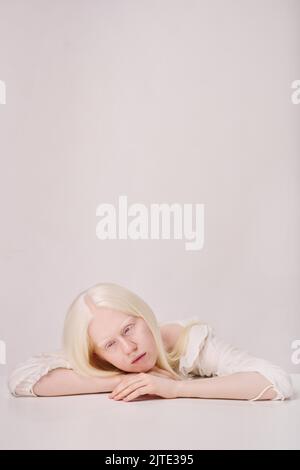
[170, 333]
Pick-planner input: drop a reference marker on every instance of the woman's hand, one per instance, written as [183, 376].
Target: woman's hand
[154, 382]
[161, 372]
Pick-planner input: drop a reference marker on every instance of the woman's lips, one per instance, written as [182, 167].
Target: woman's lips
[140, 357]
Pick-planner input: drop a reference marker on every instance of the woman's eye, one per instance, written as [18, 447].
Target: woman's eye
[112, 342]
[126, 329]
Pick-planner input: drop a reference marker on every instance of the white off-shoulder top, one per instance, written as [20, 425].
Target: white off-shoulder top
[205, 355]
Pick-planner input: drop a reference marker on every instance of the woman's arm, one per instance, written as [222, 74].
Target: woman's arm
[51, 374]
[209, 356]
[237, 386]
[61, 381]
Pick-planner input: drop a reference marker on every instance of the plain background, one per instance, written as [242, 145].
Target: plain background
[164, 101]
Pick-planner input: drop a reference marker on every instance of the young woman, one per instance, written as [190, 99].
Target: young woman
[112, 342]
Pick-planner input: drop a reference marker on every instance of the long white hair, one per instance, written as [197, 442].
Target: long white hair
[77, 343]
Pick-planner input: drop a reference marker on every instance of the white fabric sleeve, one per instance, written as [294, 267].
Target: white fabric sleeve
[28, 373]
[208, 355]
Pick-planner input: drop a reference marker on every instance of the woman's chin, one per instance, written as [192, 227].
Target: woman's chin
[144, 365]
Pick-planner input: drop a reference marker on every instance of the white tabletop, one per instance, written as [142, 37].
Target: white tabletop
[96, 422]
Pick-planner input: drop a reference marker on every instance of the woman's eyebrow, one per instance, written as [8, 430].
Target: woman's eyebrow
[101, 341]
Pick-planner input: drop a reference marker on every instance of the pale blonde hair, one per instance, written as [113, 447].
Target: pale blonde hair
[77, 343]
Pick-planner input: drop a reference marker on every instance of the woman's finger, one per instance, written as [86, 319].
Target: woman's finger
[140, 391]
[131, 388]
[123, 386]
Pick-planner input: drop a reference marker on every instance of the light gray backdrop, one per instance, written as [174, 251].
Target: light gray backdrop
[165, 101]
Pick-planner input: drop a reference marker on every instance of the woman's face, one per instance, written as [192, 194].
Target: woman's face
[119, 338]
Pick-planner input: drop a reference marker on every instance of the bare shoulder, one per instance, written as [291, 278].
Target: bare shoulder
[170, 334]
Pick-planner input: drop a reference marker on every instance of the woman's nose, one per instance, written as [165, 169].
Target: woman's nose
[128, 345]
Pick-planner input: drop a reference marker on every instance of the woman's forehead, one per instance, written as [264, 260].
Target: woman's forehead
[106, 323]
